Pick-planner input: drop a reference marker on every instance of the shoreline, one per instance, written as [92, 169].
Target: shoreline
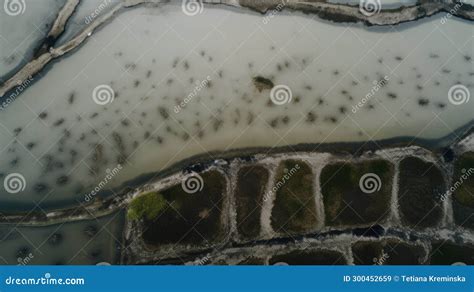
[106, 202]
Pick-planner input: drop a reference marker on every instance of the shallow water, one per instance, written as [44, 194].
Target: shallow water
[77, 243]
[86, 12]
[184, 85]
[21, 29]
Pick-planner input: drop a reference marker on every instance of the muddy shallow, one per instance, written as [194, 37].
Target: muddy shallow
[186, 95]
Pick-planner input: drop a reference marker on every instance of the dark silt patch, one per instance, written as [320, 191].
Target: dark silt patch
[309, 257]
[448, 253]
[345, 203]
[249, 196]
[262, 83]
[294, 209]
[387, 252]
[189, 218]
[420, 186]
[462, 189]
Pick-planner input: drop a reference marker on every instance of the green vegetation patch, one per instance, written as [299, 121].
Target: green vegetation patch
[463, 215]
[387, 252]
[309, 257]
[251, 182]
[191, 217]
[147, 206]
[356, 193]
[462, 190]
[448, 253]
[421, 186]
[463, 181]
[294, 209]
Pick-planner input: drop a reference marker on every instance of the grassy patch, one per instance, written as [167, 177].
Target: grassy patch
[192, 218]
[251, 184]
[147, 206]
[294, 210]
[345, 203]
[462, 189]
[463, 180]
[420, 186]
